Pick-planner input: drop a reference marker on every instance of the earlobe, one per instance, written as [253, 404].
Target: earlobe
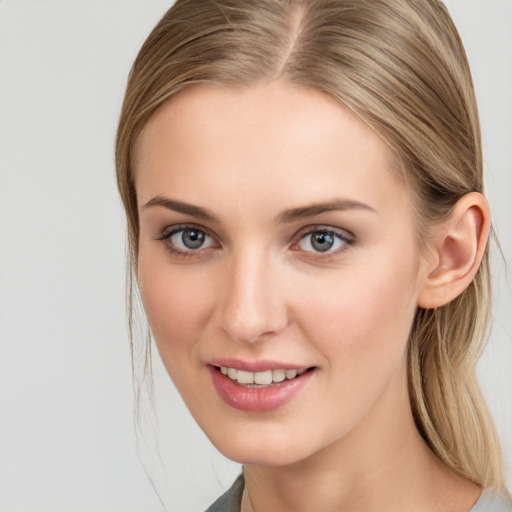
[459, 246]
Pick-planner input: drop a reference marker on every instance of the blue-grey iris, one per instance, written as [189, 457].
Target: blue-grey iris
[322, 242]
[192, 238]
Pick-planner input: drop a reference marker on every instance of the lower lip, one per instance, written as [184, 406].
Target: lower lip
[262, 399]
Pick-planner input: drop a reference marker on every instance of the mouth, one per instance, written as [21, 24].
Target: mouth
[258, 391]
[261, 379]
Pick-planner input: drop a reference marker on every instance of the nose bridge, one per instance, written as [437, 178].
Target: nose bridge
[252, 305]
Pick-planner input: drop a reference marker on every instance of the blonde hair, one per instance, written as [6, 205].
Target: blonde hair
[401, 67]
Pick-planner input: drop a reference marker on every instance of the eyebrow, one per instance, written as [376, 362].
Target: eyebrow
[287, 216]
[312, 210]
[181, 207]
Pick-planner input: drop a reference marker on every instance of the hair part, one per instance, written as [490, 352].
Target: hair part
[400, 66]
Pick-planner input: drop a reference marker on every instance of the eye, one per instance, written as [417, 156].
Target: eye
[323, 241]
[184, 239]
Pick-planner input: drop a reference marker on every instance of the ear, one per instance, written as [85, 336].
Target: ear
[458, 248]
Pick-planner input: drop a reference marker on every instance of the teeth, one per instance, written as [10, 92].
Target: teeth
[291, 374]
[278, 375]
[264, 378]
[244, 377]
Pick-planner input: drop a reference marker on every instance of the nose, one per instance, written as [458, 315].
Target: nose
[252, 306]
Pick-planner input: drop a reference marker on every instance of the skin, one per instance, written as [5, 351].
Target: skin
[257, 290]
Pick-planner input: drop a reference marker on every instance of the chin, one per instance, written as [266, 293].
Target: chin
[268, 446]
[257, 455]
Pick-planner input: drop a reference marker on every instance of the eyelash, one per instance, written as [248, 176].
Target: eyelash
[168, 233]
[347, 239]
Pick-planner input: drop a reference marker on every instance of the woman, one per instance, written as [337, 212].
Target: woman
[303, 187]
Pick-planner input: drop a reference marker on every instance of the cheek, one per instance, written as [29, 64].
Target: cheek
[177, 303]
[360, 324]
[364, 314]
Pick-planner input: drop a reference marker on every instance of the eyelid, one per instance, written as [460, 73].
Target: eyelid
[168, 231]
[346, 235]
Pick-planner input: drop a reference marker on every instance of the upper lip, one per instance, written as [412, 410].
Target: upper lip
[256, 366]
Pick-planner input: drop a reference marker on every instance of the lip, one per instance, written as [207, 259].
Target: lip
[256, 400]
[255, 366]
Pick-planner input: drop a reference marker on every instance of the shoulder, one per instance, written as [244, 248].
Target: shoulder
[493, 501]
[231, 499]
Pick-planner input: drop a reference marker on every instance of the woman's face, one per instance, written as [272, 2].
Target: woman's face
[275, 241]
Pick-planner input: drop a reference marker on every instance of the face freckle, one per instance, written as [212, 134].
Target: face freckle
[273, 232]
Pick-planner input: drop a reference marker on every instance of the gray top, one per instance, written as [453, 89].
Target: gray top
[230, 501]
[490, 501]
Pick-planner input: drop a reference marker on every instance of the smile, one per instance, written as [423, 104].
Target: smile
[259, 391]
[262, 378]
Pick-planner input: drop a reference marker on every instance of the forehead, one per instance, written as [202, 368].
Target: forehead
[297, 143]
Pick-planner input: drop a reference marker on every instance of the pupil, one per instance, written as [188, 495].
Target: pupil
[322, 241]
[192, 239]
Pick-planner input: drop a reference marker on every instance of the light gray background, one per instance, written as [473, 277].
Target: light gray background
[66, 430]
